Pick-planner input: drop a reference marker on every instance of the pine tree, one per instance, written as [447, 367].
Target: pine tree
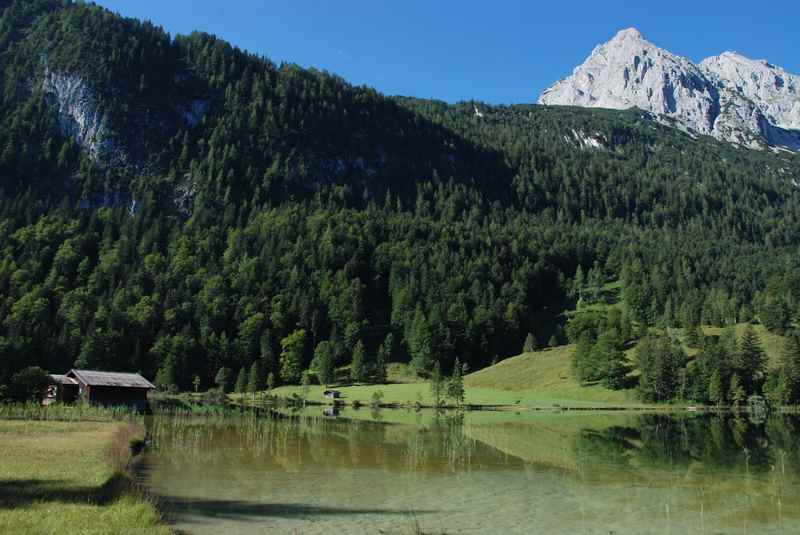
[292, 355]
[716, 390]
[165, 378]
[582, 360]
[789, 385]
[530, 344]
[437, 385]
[254, 379]
[751, 362]
[736, 392]
[358, 365]
[380, 362]
[223, 379]
[579, 283]
[323, 362]
[241, 381]
[421, 343]
[455, 386]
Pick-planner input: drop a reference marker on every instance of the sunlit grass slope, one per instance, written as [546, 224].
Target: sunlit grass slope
[55, 477]
[544, 376]
[540, 379]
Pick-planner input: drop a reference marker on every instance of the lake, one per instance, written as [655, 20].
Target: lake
[397, 471]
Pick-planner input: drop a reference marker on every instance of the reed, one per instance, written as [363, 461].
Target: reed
[67, 413]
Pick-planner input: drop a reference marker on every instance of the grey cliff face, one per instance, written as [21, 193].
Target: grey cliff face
[772, 89]
[735, 99]
[80, 118]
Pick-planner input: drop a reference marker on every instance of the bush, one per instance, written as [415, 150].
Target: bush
[28, 384]
[215, 396]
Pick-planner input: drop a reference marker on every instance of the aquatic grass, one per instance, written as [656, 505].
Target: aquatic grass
[66, 413]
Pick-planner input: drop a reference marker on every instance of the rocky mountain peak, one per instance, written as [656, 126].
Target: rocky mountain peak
[629, 33]
[629, 71]
[775, 91]
[731, 97]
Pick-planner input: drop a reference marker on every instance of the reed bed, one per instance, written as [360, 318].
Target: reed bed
[79, 412]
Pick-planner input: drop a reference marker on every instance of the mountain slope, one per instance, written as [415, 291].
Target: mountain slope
[730, 97]
[176, 205]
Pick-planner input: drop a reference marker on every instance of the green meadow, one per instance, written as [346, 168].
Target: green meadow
[71, 477]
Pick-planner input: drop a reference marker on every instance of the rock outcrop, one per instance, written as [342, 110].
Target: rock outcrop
[80, 117]
[730, 97]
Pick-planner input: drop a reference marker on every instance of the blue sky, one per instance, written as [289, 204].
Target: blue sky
[503, 51]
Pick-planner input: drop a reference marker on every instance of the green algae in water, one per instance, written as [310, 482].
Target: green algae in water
[567, 473]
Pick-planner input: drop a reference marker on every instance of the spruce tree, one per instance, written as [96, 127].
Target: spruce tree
[736, 392]
[254, 379]
[358, 365]
[455, 386]
[716, 389]
[530, 344]
[789, 385]
[241, 381]
[437, 385]
[380, 363]
[165, 378]
[420, 343]
[323, 362]
[751, 362]
[223, 379]
[292, 354]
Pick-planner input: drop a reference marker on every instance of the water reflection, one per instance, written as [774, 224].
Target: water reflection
[398, 472]
[719, 442]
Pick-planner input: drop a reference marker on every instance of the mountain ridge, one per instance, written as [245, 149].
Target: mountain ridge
[256, 204]
[730, 97]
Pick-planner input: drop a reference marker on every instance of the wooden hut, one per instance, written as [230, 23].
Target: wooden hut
[102, 388]
[62, 389]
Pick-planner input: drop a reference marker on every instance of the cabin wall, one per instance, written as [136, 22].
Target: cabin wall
[67, 393]
[115, 395]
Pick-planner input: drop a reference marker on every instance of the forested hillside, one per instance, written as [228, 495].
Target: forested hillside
[174, 205]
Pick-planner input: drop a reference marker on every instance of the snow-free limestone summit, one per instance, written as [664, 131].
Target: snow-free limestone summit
[730, 97]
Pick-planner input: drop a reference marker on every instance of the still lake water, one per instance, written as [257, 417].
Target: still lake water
[404, 472]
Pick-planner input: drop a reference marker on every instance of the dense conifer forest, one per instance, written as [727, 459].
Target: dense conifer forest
[240, 212]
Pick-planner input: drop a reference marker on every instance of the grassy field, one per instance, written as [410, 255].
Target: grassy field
[538, 379]
[544, 375]
[64, 477]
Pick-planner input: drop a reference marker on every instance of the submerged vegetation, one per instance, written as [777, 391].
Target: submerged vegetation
[426, 465]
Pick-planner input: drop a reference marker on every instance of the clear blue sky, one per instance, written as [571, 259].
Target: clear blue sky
[501, 51]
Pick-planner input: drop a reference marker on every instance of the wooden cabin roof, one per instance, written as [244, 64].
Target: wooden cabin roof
[62, 380]
[96, 378]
